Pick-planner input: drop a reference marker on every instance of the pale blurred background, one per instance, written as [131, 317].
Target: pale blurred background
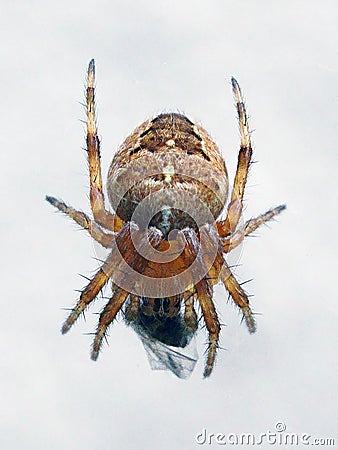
[155, 56]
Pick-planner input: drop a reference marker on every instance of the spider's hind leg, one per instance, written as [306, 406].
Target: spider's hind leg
[90, 292]
[132, 244]
[238, 295]
[106, 318]
[99, 280]
[204, 293]
[190, 316]
[132, 309]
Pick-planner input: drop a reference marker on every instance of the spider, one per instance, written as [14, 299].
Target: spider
[167, 185]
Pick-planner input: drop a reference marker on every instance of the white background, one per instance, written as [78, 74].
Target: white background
[155, 56]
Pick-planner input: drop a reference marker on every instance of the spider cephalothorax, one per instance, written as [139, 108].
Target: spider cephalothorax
[167, 184]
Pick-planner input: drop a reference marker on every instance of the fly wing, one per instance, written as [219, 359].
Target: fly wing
[180, 361]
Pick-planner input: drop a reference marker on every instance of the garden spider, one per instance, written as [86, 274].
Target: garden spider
[167, 184]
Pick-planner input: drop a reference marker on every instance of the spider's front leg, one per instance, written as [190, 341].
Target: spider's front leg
[229, 225]
[190, 316]
[101, 215]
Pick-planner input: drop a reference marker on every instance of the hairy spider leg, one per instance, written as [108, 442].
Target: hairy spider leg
[152, 237]
[212, 256]
[219, 269]
[250, 226]
[229, 225]
[190, 316]
[101, 215]
[238, 295]
[99, 280]
[106, 318]
[90, 292]
[102, 237]
[204, 293]
[132, 309]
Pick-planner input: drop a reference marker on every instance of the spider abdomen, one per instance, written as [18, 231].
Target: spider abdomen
[169, 174]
